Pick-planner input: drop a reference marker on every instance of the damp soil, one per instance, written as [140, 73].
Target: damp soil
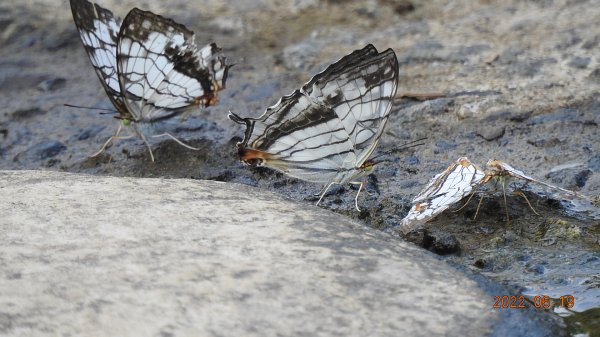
[517, 81]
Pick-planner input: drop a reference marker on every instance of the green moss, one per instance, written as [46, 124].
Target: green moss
[584, 322]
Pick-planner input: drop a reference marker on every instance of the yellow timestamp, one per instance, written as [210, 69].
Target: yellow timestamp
[538, 302]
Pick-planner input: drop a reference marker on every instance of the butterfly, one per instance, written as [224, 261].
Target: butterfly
[325, 131]
[443, 191]
[460, 179]
[149, 66]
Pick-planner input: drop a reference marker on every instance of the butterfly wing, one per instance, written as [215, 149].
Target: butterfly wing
[359, 88]
[443, 191]
[99, 30]
[327, 129]
[162, 71]
[497, 168]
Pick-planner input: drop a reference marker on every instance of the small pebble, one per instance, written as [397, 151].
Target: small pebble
[491, 133]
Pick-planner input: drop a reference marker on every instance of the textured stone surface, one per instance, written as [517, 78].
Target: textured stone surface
[101, 256]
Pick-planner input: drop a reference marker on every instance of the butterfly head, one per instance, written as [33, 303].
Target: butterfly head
[253, 157]
[367, 167]
[209, 99]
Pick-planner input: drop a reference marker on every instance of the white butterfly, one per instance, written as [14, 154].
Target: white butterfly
[443, 191]
[460, 179]
[325, 131]
[149, 65]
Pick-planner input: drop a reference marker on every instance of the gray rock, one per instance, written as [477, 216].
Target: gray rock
[491, 133]
[579, 62]
[104, 256]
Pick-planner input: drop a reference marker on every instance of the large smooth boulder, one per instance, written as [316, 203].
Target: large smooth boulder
[103, 256]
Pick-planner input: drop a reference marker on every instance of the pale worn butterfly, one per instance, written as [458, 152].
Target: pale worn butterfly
[443, 191]
[460, 179]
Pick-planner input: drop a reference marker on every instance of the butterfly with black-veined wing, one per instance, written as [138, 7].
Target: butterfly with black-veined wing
[325, 131]
[149, 66]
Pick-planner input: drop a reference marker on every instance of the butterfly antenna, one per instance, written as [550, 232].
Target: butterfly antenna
[402, 147]
[92, 108]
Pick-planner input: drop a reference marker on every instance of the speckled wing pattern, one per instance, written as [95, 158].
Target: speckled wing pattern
[149, 65]
[443, 191]
[99, 30]
[325, 131]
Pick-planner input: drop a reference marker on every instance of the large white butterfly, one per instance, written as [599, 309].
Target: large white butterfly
[325, 131]
[149, 65]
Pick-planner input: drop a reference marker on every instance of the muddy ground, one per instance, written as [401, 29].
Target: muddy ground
[520, 82]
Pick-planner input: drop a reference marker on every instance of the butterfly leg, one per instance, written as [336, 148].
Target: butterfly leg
[320, 191]
[505, 203]
[527, 201]
[177, 140]
[325, 189]
[360, 186]
[478, 206]
[467, 202]
[147, 145]
[115, 137]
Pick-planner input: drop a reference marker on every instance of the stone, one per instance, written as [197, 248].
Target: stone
[106, 256]
[491, 133]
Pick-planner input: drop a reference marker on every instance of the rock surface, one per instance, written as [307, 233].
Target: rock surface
[100, 256]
